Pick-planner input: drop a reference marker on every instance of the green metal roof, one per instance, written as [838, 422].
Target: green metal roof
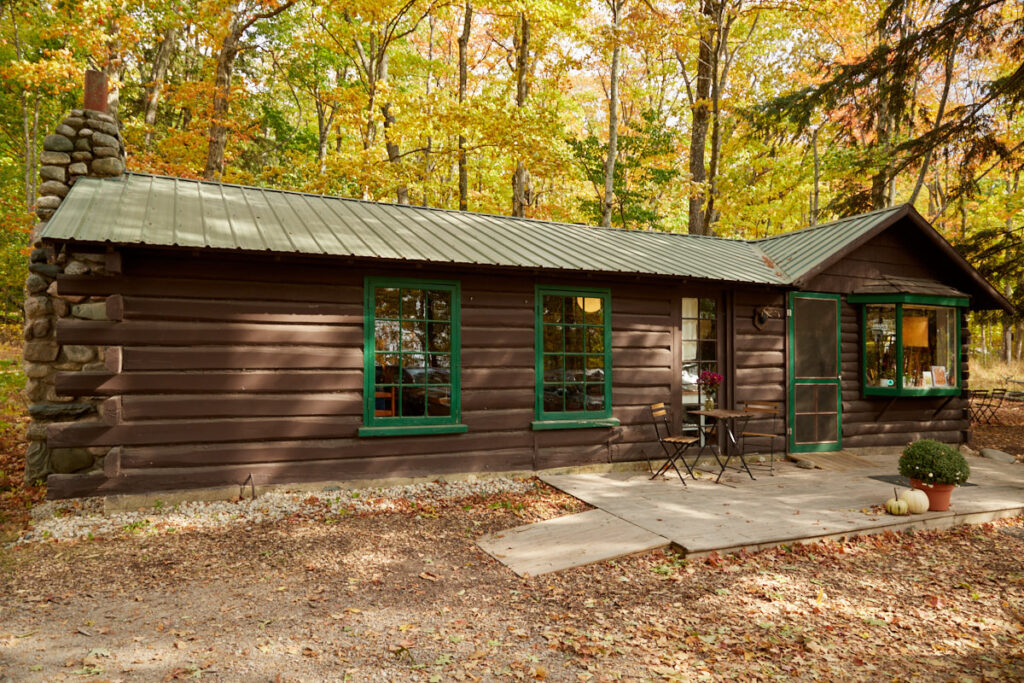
[801, 252]
[159, 211]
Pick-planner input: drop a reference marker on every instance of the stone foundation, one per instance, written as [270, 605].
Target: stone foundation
[86, 143]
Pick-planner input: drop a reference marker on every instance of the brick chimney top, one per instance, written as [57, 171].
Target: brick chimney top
[95, 90]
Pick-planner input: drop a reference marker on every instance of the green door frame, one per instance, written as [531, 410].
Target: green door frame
[793, 380]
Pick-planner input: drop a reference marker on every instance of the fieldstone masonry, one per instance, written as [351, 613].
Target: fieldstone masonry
[86, 143]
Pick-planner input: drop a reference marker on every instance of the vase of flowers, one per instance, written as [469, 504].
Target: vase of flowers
[709, 383]
[935, 468]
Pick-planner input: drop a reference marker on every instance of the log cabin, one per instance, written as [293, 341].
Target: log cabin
[183, 334]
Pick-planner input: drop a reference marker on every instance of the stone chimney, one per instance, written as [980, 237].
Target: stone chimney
[86, 143]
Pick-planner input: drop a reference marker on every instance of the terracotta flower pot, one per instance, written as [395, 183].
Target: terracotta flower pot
[938, 494]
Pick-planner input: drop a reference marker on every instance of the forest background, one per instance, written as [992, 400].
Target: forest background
[739, 118]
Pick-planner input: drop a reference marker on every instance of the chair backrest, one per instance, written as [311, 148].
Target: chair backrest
[659, 414]
[771, 407]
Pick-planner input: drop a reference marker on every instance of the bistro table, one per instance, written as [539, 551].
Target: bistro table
[728, 420]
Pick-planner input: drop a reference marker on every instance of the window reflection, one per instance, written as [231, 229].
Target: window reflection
[413, 343]
[573, 350]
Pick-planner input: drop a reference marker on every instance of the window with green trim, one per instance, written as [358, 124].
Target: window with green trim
[411, 353]
[911, 344]
[573, 347]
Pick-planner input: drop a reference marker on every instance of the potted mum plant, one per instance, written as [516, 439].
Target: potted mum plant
[935, 468]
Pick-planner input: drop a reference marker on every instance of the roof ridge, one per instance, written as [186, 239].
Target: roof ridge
[811, 228]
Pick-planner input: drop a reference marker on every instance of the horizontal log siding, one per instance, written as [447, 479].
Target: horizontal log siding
[760, 358]
[219, 369]
[878, 421]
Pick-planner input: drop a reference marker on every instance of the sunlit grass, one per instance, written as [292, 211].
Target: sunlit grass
[994, 373]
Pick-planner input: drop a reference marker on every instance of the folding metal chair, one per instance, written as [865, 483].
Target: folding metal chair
[984, 404]
[674, 446]
[762, 410]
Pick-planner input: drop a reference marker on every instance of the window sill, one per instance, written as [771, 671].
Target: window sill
[412, 430]
[897, 393]
[582, 423]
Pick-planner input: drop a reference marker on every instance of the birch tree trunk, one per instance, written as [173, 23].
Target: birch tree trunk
[467, 23]
[521, 195]
[156, 80]
[613, 118]
[701, 108]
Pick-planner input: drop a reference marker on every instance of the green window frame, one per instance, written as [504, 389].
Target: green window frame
[899, 303]
[574, 367]
[411, 357]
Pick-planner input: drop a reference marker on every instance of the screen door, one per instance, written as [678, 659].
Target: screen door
[815, 385]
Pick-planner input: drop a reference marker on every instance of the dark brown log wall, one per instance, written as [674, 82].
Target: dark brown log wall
[222, 367]
[759, 358]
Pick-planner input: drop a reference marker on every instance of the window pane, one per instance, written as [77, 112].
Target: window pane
[413, 304]
[553, 339]
[413, 336]
[708, 350]
[386, 368]
[880, 346]
[595, 339]
[948, 354]
[439, 401]
[708, 329]
[413, 404]
[572, 312]
[552, 309]
[439, 375]
[573, 397]
[689, 350]
[574, 368]
[440, 304]
[708, 309]
[919, 345]
[386, 333]
[386, 300]
[691, 373]
[439, 336]
[593, 310]
[384, 403]
[595, 397]
[553, 369]
[595, 369]
[440, 360]
[690, 308]
[573, 339]
[553, 398]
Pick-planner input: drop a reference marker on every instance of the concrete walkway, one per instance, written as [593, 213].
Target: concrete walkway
[794, 506]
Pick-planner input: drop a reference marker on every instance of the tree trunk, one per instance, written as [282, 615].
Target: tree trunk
[948, 76]
[701, 118]
[221, 98]
[521, 186]
[1018, 336]
[817, 176]
[394, 154]
[463, 78]
[613, 118]
[229, 49]
[156, 80]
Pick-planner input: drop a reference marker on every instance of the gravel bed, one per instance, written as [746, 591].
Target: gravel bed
[84, 517]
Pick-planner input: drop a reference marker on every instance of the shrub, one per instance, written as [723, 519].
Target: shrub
[934, 463]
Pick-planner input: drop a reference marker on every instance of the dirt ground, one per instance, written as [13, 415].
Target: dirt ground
[409, 596]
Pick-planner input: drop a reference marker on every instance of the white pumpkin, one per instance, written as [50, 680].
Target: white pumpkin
[916, 500]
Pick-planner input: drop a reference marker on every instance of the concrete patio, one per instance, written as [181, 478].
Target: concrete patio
[635, 514]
